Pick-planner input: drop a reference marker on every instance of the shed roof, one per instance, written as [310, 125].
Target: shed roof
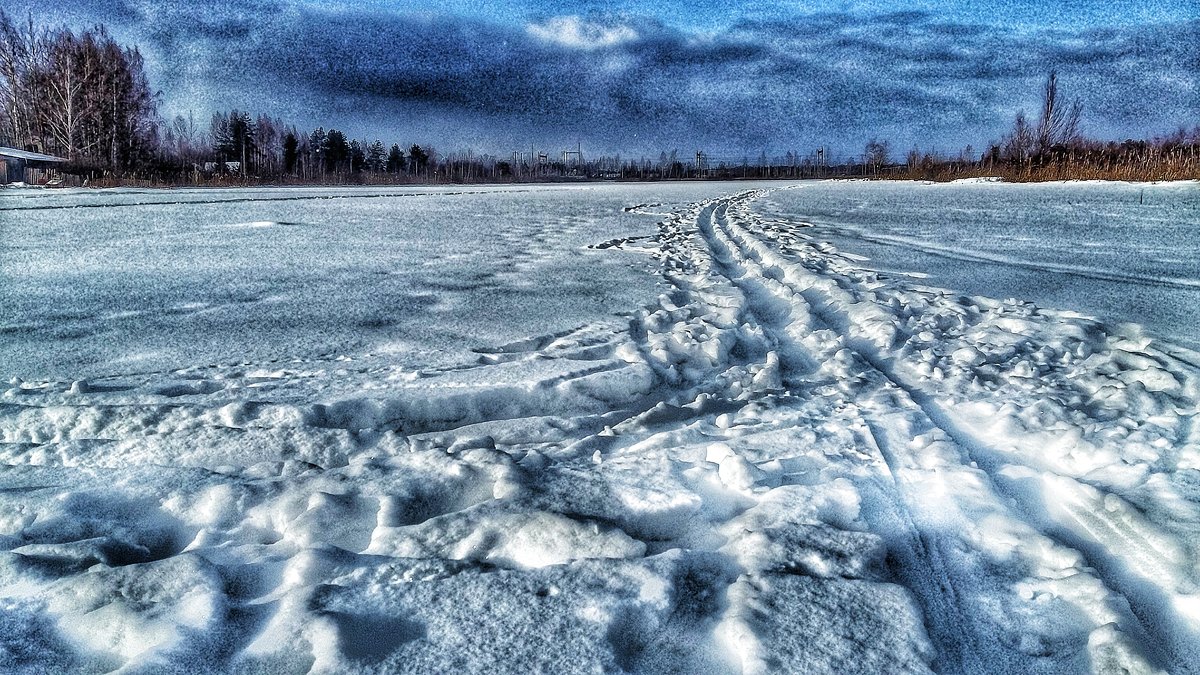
[28, 156]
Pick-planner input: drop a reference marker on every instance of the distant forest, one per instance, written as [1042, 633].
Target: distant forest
[87, 98]
[1053, 147]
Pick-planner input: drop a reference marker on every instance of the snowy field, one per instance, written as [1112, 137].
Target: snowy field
[1119, 251]
[688, 428]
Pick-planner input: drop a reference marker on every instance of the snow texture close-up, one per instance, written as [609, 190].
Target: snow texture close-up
[824, 427]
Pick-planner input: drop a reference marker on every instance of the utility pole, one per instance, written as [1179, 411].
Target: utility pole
[574, 157]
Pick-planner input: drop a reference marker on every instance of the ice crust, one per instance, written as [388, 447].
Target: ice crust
[787, 462]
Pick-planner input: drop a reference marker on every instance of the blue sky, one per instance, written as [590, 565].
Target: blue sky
[636, 78]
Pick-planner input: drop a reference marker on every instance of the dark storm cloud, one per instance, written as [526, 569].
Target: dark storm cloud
[623, 81]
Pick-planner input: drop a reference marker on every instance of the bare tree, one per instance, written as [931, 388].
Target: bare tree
[1059, 123]
[18, 66]
[876, 153]
[1018, 146]
[188, 141]
[83, 96]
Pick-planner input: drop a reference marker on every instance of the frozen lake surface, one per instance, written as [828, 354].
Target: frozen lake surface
[1121, 251]
[100, 282]
[97, 282]
[706, 427]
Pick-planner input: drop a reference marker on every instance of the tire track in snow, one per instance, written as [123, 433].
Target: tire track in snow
[960, 649]
[921, 566]
[924, 569]
[920, 562]
[709, 303]
[1084, 520]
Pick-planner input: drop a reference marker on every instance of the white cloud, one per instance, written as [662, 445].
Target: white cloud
[573, 31]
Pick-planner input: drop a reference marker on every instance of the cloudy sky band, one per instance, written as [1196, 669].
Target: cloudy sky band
[641, 78]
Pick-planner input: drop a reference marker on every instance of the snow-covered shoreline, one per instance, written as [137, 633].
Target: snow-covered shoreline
[786, 463]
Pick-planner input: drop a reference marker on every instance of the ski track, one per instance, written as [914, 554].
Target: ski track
[790, 463]
[1005, 261]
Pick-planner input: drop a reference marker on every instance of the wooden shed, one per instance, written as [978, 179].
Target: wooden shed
[33, 168]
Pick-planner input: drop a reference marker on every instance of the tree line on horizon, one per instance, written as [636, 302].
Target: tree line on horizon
[1051, 147]
[238, 144]
[87, 98]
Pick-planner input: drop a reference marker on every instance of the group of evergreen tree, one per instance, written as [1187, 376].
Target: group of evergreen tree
[264, 147]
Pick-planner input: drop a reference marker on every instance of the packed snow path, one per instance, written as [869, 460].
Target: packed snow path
[789, 464]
